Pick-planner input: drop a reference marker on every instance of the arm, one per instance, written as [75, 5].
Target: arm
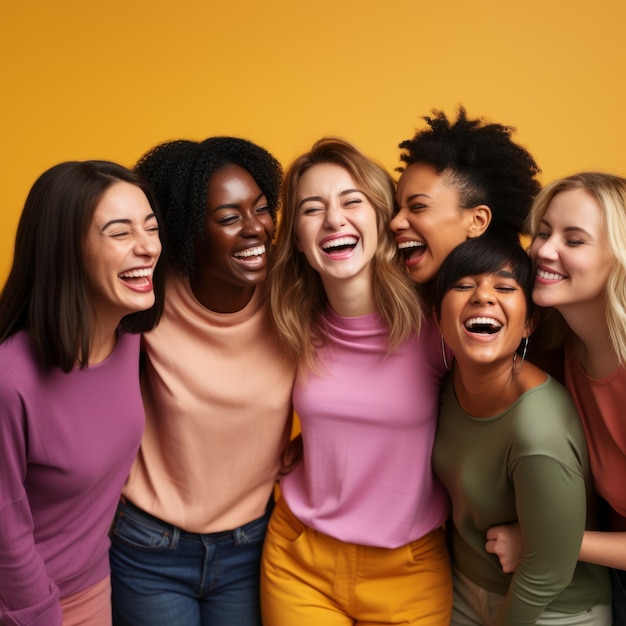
[601, 548]
[604, 548]
[27, 595]
[551, 505]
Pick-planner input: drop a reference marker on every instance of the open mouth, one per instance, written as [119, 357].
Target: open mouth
[483, 325]
[341, 244]
[137, 277]
[244, 254]
[412, 249]
[543, 274]
[251, 258]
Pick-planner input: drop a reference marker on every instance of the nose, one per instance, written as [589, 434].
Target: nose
[399, 222]
[335, 217]
[543, 248]
[148, 244]
[252, 225]
[483, 295]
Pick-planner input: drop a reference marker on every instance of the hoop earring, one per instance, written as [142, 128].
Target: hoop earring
[517, 370]
[443, 354]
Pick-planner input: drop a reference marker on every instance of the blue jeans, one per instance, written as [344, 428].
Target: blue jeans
[164, 576]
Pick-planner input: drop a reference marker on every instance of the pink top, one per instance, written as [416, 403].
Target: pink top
[600, 403]
[368, 424]
[218, 406]
[67, 442]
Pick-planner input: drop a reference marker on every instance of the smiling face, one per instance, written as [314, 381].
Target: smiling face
[232, 255]
[336, 227]
[120, 252]
[484, 318]
[430, 222]
[571, 253]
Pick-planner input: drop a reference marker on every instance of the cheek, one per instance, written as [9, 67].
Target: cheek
[268, 226]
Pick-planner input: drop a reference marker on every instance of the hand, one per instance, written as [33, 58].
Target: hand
[291, 455]
[505, 542]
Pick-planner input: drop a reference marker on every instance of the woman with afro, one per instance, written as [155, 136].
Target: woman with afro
[189, 529]
[460, 179]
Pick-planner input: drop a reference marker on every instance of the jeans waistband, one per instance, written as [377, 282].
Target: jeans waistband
[171, 528]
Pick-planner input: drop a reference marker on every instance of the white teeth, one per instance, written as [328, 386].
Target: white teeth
[348, 240]
[549, 275]
[411, 244]
[137, 273]
[482, 321]
[258, 251]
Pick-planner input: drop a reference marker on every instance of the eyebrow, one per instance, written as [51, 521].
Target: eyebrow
[418, 195]
[570, 229]
[126, 222]
[321, 199]
[235, 205]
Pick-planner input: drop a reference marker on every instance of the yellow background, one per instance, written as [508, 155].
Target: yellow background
[111, 79]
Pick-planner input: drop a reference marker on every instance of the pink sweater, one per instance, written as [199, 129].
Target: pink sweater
[218, 408]
[66, 444]
[368, 425]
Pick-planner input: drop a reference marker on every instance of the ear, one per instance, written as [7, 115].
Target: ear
[481, 218]
[531, 324]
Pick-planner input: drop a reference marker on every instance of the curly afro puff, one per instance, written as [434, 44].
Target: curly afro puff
[483, 162]
[179, 172]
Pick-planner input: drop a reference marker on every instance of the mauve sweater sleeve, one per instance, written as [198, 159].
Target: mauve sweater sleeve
[27, 595]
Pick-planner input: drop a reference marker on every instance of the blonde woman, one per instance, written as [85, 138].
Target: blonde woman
[578, 229]
[356, 537]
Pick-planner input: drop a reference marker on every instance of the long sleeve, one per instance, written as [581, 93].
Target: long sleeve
[27, 595]
[551, 506]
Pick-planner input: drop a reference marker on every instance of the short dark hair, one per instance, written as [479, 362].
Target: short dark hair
[179, 173]
[484, 255]
[47, 291]
[483, 162]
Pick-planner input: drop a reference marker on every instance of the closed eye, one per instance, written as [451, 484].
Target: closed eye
[228, 219]
[463, 286]
[310, 210]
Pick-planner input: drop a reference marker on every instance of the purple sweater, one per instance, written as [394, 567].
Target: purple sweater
[67, 442]
[368, 425]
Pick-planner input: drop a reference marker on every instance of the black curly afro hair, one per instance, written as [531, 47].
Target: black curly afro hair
[179, 172]
[483, 162]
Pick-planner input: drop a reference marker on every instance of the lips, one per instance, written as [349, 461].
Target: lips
[340, 244]
[139, 279]
[413, 251]
[252, 258]
[547, 275]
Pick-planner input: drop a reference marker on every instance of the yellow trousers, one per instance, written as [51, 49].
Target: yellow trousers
[311, 579]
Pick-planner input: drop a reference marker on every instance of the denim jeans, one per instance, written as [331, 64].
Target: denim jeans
[164, 576]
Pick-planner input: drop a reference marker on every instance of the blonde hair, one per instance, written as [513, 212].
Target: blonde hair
[610, 193]
[297, 297]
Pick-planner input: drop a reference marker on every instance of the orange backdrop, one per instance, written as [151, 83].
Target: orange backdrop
[109, 80]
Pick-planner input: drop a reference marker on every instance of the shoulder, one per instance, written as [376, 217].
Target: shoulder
[22, 375]
[546, 422]
[19, 360]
